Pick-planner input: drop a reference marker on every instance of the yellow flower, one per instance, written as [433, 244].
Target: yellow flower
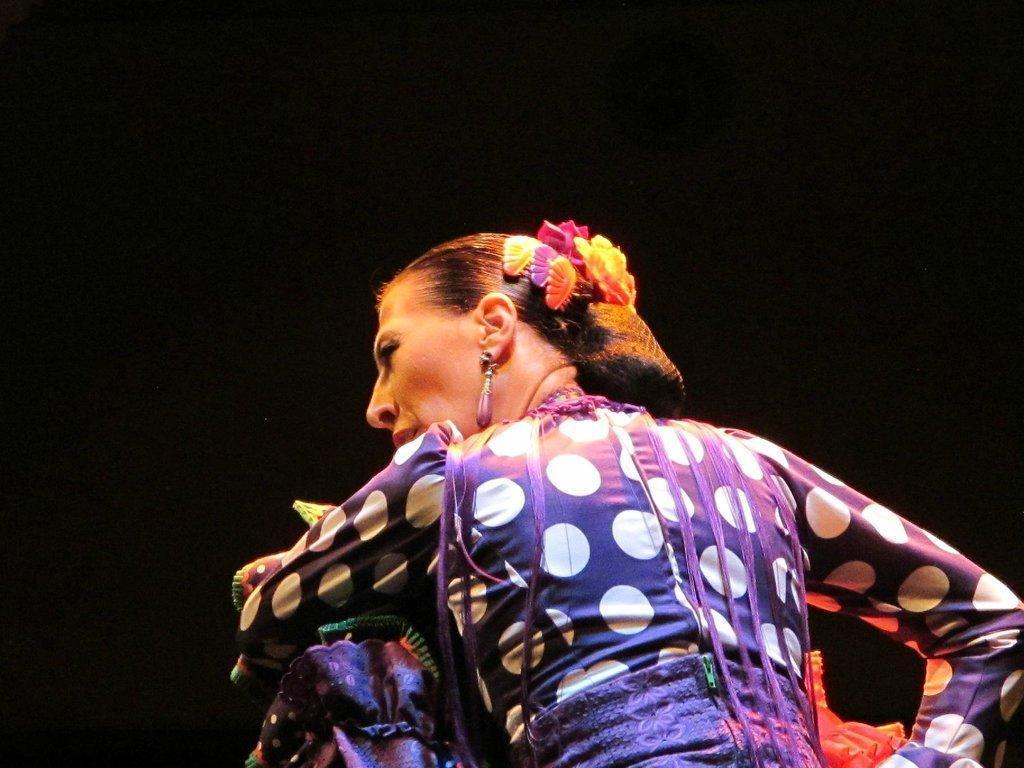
[518, 254]
[606, 268]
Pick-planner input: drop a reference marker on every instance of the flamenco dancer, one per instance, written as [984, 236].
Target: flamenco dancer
[629, 587]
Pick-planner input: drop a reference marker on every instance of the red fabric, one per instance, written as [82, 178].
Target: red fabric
[850, 744]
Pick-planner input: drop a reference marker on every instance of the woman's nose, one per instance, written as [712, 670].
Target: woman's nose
[381, 412]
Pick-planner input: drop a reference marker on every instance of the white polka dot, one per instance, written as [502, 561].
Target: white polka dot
[663, 499]
[624, 439]
[771, 643]
[514, 577]
[923, 589]
[618, 418]
[886, 522]
[672, 652]
[477, 599]
[485, 695]
[626, 610]
[573, 474]
[513, 440]
[581, 679]
[711, 566]
[287, 596]
[724, 504]
[826, 476]
[566, 550]
[884, 607]
[766, 448]
[332, 523]
[725, 631]
[1000, 639]
[423, 505]
[510, 646]
[787, 493]
[1011, 693]
[249, 610]
[405, 452]
[390, 574]
[683, 600]
[937, 674]
[1000, 755]
[966, 763]
[562, 623]
[693, 442]
[950, 734]
[940, 543]
[627, 465]
[896, 761]
[794, 650]
[498, 501]
[827, 515]
[993, 595]
[673, 448]
[273, 719]
[941, 624]
[746, 460]
[373, 517]
[335, 585]
[856, 576]
[780, 568]
[514, 723]
[584, 430]
[638, 534]
[779, 524]
[296, 550]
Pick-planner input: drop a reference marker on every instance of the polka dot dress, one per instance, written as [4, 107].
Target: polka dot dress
[624, 501]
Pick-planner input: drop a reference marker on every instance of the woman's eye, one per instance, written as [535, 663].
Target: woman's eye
[386, 351]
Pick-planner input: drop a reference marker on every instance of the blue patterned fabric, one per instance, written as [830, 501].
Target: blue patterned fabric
[661, 539]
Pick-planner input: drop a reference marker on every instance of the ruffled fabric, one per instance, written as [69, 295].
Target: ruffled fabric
[370, 703]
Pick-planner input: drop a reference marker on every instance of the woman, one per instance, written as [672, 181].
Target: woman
[635, 583]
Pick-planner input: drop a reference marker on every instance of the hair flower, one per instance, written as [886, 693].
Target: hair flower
[606, 268]
[562, 278]
[518, 254]
[540, 268]
[562, 239]
[560, 256]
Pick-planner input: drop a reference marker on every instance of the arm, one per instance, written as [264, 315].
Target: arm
[867, 561]
[373, 548]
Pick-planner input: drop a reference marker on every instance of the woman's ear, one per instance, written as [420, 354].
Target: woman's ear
[496, 319]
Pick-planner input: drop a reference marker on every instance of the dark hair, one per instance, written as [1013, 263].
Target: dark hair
[614, 351]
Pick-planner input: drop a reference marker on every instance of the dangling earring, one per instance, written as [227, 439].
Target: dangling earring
[483, 409]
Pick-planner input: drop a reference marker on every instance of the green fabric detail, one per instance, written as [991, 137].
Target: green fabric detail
[250, 684]
[384, 623]
[253, 761]
[310, 511]
[237, 598]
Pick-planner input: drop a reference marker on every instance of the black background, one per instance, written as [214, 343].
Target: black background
[820, 202]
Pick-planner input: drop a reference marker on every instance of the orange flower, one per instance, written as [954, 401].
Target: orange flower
[561, 280]
[606, 268]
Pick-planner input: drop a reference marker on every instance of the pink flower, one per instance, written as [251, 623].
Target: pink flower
[561, 238]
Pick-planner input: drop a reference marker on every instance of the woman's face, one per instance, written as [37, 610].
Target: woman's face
[428, 366]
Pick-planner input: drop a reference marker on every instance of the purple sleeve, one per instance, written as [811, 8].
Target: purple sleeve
[373, 549]
[870, 562]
